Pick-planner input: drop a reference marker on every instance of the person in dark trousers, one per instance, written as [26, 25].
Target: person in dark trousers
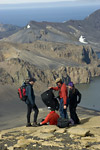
[51, 118]
[61, 87]
[74, 100]
[30, 101]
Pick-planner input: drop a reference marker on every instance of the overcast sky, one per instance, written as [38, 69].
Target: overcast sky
[28, 1]
[39, 1]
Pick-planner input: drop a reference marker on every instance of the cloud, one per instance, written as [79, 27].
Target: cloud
[31, 1]
[72, 2]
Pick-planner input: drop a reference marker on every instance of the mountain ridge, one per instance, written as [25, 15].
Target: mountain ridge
[66, 32]
[7, 30]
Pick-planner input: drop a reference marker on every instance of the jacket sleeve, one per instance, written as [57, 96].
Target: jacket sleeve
[46, 119]
[29, 95]
[55, 88]
[79, 97]
[64, 94]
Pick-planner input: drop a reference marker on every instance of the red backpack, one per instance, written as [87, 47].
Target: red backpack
[22, 92]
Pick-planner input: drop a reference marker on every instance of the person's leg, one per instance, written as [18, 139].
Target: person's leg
[63, 112]
[77, 121]
[61, 108]
[29, 110]
[36, 111]
[73, 115]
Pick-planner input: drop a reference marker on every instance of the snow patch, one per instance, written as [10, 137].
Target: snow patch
[28, 26]
[82, 39]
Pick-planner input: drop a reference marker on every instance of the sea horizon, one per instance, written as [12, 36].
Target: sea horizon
[22, 16]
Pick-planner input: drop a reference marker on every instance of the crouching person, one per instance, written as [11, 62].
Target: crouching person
[51, 118]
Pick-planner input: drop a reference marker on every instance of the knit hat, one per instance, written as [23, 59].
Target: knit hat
[32, 79]
[58, 80]
[71, 84]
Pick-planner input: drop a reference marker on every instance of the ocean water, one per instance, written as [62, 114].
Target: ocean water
[90, 94]
[21, 17]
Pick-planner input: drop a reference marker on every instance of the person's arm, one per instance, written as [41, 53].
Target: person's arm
[29, 95]
[79, 97]
[46, 120]
[54, 88]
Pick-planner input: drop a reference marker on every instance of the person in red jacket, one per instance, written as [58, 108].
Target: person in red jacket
[61, 87]
[51, 118]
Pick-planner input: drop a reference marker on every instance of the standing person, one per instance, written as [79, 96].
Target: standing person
[74, 99]
[61, 87]
[30, 101]
[51, 118]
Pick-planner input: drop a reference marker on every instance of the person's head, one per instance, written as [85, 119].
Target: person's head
[32, 81]
[58, 81]
[52, 109]
[71, 85]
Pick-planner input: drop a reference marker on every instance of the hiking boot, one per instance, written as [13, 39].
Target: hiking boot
[34, 124]
[28, 125]
[79, 122]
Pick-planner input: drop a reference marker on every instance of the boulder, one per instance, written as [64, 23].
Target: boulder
[79, 131]
[61, 131]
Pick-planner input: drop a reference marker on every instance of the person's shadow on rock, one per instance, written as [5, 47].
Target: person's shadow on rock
[84, 120]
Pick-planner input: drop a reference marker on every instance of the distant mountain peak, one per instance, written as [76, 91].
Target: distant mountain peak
[94, 19]
[82, 32]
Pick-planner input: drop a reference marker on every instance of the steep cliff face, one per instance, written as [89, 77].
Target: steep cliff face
[21, 70]
[46, 61]
[79, 54]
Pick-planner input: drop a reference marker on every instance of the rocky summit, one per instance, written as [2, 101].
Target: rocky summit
[85, 136]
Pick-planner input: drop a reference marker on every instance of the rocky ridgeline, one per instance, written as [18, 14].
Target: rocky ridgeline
[84, 136]
[66, 32]
[46, 77]
[74, 53]
[46, 61]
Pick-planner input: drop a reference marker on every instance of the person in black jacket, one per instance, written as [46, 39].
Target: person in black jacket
[74, 100]
[30, 101]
